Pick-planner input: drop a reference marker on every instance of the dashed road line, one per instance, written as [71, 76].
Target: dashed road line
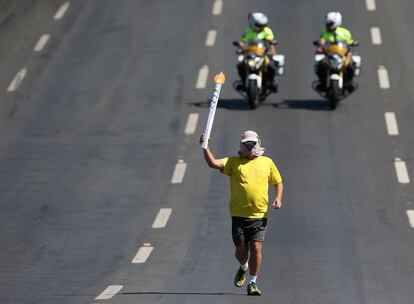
[391, 122]
[61, 11]
[41, 43]
[191, 125]
[143, 253]
[14, 85]
[371, 6]
[179, 172]
[211, 38]
[384, 80]
[376, 36]
[162, 217]
[217, 7]
[410, 214]
[401, 170]
[109, 292]
[202, 77]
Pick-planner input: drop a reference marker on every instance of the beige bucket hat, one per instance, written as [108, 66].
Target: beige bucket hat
[246, 150]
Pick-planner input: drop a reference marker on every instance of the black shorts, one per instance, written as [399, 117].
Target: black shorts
[245, 230]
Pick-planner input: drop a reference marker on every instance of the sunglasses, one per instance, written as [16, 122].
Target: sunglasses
[250, 144]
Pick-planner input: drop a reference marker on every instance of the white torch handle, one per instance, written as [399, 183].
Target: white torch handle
[211, 112]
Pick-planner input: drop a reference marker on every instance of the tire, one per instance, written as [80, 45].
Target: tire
[334, 94]
[252, 94]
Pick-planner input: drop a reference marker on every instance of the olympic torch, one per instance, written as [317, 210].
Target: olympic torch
[219, 80]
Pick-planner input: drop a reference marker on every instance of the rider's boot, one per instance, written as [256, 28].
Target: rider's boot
[350, 87]
[273, 86]
[348, 79]
[240, 85]
[321, 87]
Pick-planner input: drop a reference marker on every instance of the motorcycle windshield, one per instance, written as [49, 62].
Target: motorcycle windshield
[255, 46]
[339, 48]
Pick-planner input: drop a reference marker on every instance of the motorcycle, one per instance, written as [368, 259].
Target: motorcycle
[334, 62]
[254, 59]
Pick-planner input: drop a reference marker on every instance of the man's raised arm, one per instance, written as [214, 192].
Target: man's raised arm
[211, 161]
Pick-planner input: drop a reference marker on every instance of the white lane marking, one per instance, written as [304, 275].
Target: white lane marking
[217, 7]
[371, 6]
[211, 38]
[61, 11]
[162, 217]
[410, 214]
[384, 80]
[14, 85]
[179, 172]
[376, 36]
[401, 169]
[41, 43]
[391, 121]
[109, 292]
[202, 77]
[191, 123]
[142, 254]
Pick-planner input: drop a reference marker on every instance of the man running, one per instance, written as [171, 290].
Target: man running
[250, 174]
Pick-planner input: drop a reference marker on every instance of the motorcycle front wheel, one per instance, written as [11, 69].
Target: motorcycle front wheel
[334, 94]
[252, 94]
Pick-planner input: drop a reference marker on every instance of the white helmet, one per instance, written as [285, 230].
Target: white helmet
[257, 21]
[333, 20]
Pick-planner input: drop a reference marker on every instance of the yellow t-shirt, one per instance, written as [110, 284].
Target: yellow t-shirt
[249, 184]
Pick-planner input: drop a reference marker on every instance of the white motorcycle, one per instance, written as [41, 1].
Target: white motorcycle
[333, 63]
[254, 59]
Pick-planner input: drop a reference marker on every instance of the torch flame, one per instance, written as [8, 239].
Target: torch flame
[219, 78]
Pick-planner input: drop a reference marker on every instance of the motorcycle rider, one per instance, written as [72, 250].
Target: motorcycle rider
[333, 32]
[259, 30]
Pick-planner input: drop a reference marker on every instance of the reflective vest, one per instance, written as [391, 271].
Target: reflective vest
[251, 34]
[340, 34]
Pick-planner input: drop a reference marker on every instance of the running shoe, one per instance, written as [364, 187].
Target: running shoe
[252, 290]
[240, 277]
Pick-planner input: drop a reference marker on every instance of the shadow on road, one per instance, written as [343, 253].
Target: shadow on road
[236, 104]
[242, 105]
[306, 104]
[183, 293]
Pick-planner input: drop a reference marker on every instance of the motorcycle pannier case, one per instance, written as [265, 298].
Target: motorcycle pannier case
[357, 61]
[279, 59]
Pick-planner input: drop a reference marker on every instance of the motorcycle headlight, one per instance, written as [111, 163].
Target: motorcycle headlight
[254, 62]
[336, 62]
[251, 62]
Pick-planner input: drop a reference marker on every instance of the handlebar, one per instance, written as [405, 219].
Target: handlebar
[236, 43]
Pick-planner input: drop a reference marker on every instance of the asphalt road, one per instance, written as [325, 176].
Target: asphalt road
[91, 136]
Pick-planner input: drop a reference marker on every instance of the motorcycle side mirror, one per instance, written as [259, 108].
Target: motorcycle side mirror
[355, 43]
[316, 43]
[236, 43]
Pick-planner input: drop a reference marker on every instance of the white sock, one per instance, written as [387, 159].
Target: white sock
[245, 266]
[251, 278]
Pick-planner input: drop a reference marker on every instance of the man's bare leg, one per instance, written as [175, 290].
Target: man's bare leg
[254, 265]
[242, 254]
[255, 260]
